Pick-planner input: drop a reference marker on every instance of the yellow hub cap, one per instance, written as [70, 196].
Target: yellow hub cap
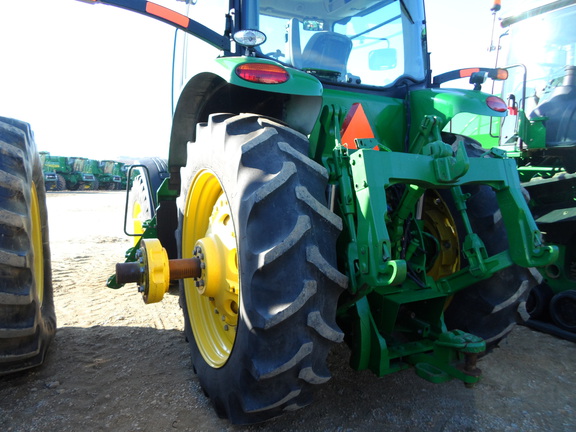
[213, 299]
[37, 245]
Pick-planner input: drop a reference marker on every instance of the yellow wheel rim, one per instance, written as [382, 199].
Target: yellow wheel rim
[439, 222]
[136, 221]
[212, 301]
[37, 244]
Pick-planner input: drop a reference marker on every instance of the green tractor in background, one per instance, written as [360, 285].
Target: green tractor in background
[112, 175]
[91, 173]
[541, 92]
[83, 174]
[50, 176]
[61, 173]
[539, 46]
[313, 197]
[68, 173]
[56, 170]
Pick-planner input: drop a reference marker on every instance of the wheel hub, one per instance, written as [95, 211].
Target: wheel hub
[218, 262]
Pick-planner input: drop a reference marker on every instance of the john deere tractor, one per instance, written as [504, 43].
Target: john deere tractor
[57, 171]
[542, 134]
[313, 198]
[537, 44]
[113, 176]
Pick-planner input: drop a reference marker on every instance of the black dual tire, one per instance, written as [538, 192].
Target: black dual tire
[489, 308]
[538, 301]
[27, 317]
[143, 205]
[140, 205]
[563, 310]
[144, 187]
[286, 254]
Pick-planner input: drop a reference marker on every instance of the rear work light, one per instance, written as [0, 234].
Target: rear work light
[262, 73]
[496, 104]
[249, 38]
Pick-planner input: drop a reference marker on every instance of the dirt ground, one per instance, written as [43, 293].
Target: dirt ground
[119, 365]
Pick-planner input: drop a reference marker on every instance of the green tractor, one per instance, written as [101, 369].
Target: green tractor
[113, 175]
[56, 170]
[83, 174]
[92, 173]
[539, 46]
[314, 197]
[50, 176]
[541, 134]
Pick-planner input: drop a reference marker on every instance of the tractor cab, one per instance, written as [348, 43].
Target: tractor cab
[359, 42]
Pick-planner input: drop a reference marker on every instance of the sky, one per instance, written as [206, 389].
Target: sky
[95, 80]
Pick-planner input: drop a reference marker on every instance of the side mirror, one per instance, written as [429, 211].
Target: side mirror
[382, 59]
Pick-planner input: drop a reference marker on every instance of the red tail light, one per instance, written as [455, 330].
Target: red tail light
[262, 73]
[496, 104]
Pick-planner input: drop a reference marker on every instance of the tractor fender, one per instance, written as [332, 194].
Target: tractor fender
[296, 103]
[445, 104]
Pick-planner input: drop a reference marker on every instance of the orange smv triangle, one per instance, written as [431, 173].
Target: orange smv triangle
[355, 125]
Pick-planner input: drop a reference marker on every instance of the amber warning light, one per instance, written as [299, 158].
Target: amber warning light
[262, 73]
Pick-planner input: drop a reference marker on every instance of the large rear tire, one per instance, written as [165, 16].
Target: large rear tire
[27, 318]
[489, 308]
[261, 319]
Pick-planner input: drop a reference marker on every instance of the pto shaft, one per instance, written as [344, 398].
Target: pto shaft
[153, 271]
